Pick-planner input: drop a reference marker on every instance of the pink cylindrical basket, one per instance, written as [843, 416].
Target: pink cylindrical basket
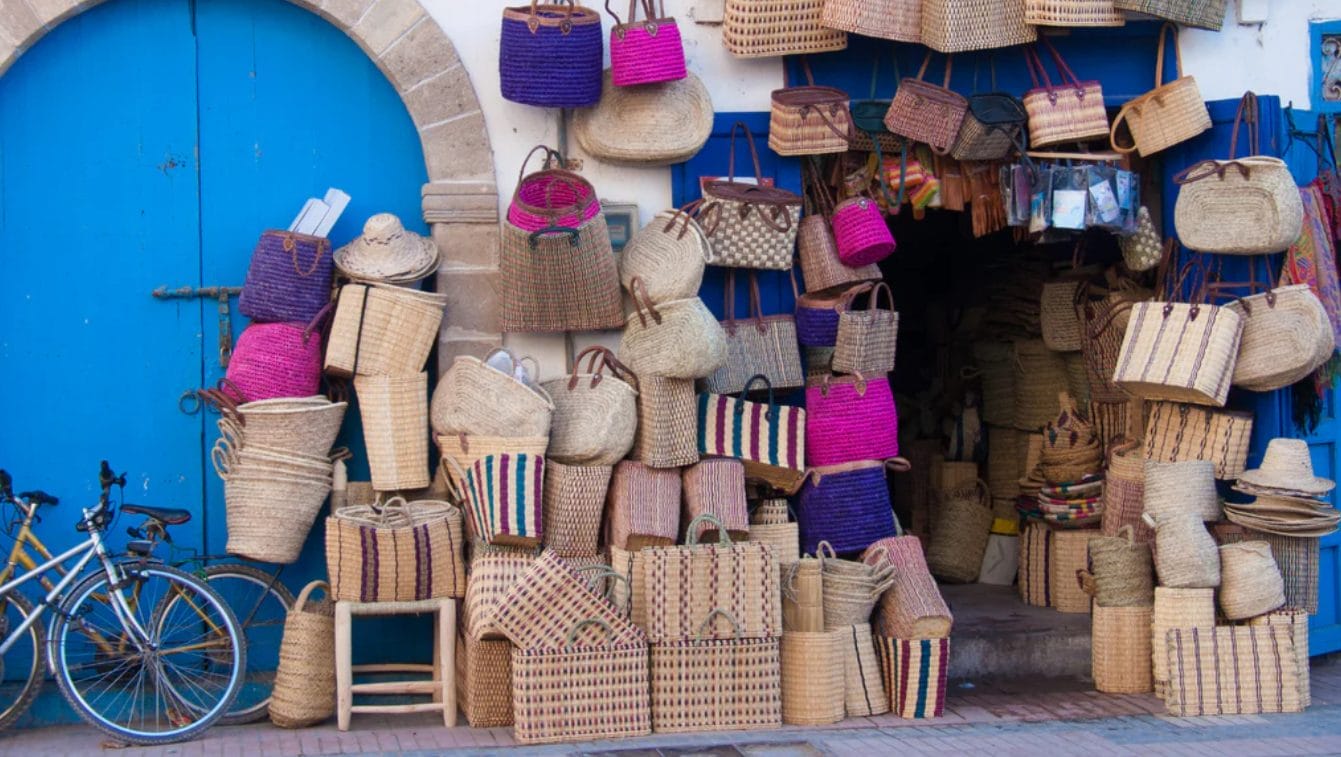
[276, 360]
[648, 51]
[860, 230]
[850, 418]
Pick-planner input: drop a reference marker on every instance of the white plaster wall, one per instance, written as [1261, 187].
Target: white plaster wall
[1271, 58]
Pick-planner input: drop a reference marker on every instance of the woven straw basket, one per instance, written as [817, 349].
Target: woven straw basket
[802, 596]
[1123, 572]
[899, 20]
[812, 677]
[912, 608]
[667, 435]
[1059, 317]
[1297, 621]
[574, 499]
[305, 425]
[395, 429]
[954, 26]
[1156, 363]
[1187, 487]
[1167, 115]
[1069, 554]
[1297, 558]
[1121, 654]
[1203, 14]
[396, 552]
[1040, 375]
[1286, 336]
[595, 411]
[995, 361]
[741, 677]
[1177, 608]
[382, 330]
[484, 681]
[668, 255]
[1072, 13]
[1250, 582]
[769, 28]
[476, 398]
[270, 507]
[959, 535]
[864, 693]
[649, 125]
[1124, 493]
[1232, 670]
[1186, 556]
[1186, 432]
[304, 692]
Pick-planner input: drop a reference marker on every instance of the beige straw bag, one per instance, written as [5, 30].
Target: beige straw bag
[1176, 608]
[1250, 581]
[1072, 13]
[595, 412]
[646, 126]
[851, 588]
[1186, 556]
[913, 608]
[1059, 315]
[269, 505]
[1232, 670]
[667, 433]
[304, 691]
[963, 522]
[1121, 655]
[382, 330]
[1067, 561]
[812, 677]
[809, 119]
[771, 28]
[803, 596]
[898, 20]
[669, 255]
[397, 551]
[1167, 115]
[864, 686]
[395, 429]
[1187, 487]
[676, 339]
[955, 26]
[1122, 570]
[1297, 621]
[473, 397]
[769, 524]
[1286, 336]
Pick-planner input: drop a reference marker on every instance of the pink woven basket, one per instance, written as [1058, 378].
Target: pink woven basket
[552, 196]
[860, 230]
[647, 51]
[850, 418]
[277, 360]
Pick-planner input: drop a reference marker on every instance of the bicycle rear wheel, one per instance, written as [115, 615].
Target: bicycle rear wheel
[170, 686]
[23, 663]
[261, 603]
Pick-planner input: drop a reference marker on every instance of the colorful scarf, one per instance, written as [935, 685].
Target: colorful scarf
[1312, 260]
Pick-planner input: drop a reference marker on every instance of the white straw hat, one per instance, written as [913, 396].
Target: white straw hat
[386, 252]
[1287, 465]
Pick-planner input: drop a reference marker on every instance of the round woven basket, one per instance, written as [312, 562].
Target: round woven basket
[1040, 375]
[1176, 608]
[1182, 487]
[784, 538]
[995, 362]
[306, 425]
[962, 525]
[1121, 656]
[304, 692]
[668, 254]
[803, 596]
[1123, 572]
[1186, 556]
[1250, 580]
[476, 398]
[812, 677]
[269, 510]
[395, 429]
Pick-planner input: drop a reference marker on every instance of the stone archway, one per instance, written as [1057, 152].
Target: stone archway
[460, 202]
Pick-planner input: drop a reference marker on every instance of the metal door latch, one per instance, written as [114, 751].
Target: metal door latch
[221, 294]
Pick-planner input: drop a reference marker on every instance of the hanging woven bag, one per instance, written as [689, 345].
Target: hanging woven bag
[304, 690]
[867, 338]
[846, 505]
[669, 255]
[993, 125]
[1167, 115]
[559, 279]
[898, 20]
[1203, 14]
[476, 398]
[772, 28]
[273, 360]
[850, 418]
[1072, 13]
[1240, 206]
[552, 196]
[289, 279]
[861, 232]
[809, 119]
[595, 412]
[647, 125]
[767, 437]
[956, 26]
[647, 51]
[1286, 333]
[959, 534]
[749, 225]
[818, 313]
[1070, 111]
[676, 339]
[550, 55]
[924, 112]
[821, 267]
[756, 345]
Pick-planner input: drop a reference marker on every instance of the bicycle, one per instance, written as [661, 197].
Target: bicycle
[142, 651]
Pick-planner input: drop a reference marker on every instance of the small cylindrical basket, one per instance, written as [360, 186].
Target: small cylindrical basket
[860, 230]
[1121, 654]
[550, 55]
[812, 677]
[667, 435]
[1123, 573]
[647, 51]
[304, 691]
[395, 428]
[396, 552]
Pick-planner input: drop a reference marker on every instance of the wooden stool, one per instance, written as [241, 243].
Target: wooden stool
[441, 686]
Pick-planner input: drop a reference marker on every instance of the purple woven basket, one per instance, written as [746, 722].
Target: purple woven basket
[550, 56]
[289, 280]
[847, 506]
[816, 327]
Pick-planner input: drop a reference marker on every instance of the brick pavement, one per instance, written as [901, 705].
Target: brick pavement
[1014, 718]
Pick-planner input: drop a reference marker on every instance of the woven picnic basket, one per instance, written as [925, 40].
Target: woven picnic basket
[595, 410]
[770, 28]
[1203, 14]
[382, 330]
[1167, 115]
[559, 278]
[809, 119]
[1176, 608]
[955, 26]
[898, 20]
[667, 434]
[1121, 657]
[574, 501]
[304, 689]
[1250, 581]
[1072, 13]
[397, 551]
[395, 429]
[925, 112]
[1176, 431]
[812, 677]
[668, 255]
[473, 398]
[912, 608]
[740, 677]
[864, 687]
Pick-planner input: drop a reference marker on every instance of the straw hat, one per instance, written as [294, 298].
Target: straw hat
[1287, 465]
[386, 252]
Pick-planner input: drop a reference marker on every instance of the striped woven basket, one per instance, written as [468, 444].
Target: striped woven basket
[1297, 621]
[1072, 13]
[740, 677]
[1176, 608]
[396, 552]
[769, 28]
[1232, 670]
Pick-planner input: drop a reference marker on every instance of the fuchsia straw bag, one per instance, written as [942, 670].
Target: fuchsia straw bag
[552, 196]
[648, 51]
[850, 418]
[860, 230]
[277, 360]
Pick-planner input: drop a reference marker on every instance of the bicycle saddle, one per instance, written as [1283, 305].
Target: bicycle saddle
[169, 515]
[39, 497]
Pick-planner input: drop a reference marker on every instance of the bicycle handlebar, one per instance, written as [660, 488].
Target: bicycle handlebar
[6, 485]
[107, 479]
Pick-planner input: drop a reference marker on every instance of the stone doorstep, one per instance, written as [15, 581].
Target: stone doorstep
[996, 636]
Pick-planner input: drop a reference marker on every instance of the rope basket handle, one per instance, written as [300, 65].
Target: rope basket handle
[601, 358]
[1133, 106]
[820, 550]
[691, 539]
[1129, 533]
[717, 611]
[926, 61]
[689, 211]
[578, 626]
[1085, 580]
[873, 301]
[303, 596]
[881, 550]
[605, 571]
[223, 458]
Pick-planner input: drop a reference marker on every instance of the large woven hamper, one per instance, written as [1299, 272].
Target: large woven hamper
[1176, 608]
[1121, 653]
[1232, 670]
[812, 677]
[708, 684]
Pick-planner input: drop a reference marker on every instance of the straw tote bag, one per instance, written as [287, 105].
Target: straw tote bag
[1070, 111]
[809, 119]
[993, 125]
[716, 486]
[273, 360]
[749, 225]
[769, 438]
[550, 55]
[898, 20]
[957, 26]
[552, 196]
[396, 552]
[504, 497]
[1177, 432]
[648, 125]
[676, 339]
[559, 279]
[1168, 114]
[850, 418]
[927, 113]
[821, 267]
[771, 28]
[304, 689]
[867, 338]
[1072, 13]
[595, 412]
[382, 329]
[1240, 206]
[645, 52]
[1286, 334]
[1203, 14]
[289, 278]
[669, 255]
[759, 345]
[817, 314]
[1232, 670]
[475, 398]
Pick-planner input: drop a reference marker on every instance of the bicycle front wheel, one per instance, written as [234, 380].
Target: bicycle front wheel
[161, 667]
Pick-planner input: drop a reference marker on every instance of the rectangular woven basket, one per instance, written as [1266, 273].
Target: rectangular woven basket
[580, 693]
[1232, 670]
[740, 678]
[770, 28]
[915, 673]
[956, 26]
[396, 554]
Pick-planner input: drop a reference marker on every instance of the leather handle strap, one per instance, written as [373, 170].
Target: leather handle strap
[731, 153]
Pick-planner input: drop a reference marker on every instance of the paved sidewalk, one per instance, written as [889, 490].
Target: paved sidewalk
[1016, 718]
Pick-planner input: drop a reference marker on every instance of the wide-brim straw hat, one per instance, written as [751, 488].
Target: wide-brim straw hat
[387, 252]
[1287, 465]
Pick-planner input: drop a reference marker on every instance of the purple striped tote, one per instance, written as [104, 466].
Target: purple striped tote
[504, 496]
[769, 438]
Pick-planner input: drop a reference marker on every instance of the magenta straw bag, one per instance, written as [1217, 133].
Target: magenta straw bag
[850, 418]
[552, 196]
[277, 360]
[648, 51]
[860, 230]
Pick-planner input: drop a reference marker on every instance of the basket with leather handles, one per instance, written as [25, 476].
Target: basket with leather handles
[816, 246]
[1069, 111]
[1168, 114]
[757, 344]
[925, 112]
[749, 225]
[993, 124]
[809, 119]
[647, 51]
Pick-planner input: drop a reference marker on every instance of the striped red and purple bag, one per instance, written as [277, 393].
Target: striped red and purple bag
[505, 496]
[769, 438]
[915, 672]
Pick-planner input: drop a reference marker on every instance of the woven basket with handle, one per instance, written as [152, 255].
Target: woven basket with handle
[1168, 114]
[304, 692]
